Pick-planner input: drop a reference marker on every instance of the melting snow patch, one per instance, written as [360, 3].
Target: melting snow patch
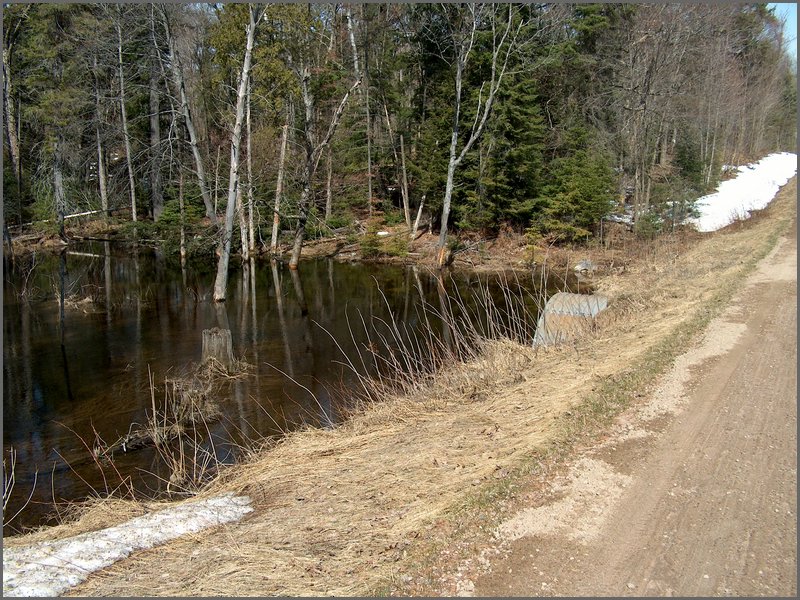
[753, 188]
[50, 568]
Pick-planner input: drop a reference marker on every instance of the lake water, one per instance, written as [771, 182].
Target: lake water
[131, 317]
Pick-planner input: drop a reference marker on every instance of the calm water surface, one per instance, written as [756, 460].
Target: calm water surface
[130, 315]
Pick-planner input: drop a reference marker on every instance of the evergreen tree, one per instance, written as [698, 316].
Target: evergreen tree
[579, 192]
[57, 104]
[505, 183]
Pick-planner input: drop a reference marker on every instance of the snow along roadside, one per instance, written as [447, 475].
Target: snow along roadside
[753, 188]
[50, 568]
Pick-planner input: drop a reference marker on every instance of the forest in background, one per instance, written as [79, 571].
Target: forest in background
[241, 121]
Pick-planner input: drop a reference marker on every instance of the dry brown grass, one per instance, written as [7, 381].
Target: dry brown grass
[338, 510]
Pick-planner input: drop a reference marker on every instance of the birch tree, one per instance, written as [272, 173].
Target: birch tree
[276, 215]
[303, 57]
[462, 24]
[221, 281]
[364, 93]
[313, 150]
[180, 84]
[15, 17]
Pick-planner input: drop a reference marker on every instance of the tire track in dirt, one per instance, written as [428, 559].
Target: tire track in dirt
[695, 491]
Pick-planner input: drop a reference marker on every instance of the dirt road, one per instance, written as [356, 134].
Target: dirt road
[694, 492]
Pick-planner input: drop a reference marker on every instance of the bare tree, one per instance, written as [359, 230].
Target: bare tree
[180, 83]
[11, 31]
[251, 242]
[364, 93]
[58, 185]
[654, 73]
[276, 217]
[329, 187]
[402, 160]
[221, 281]
[301, 64]
[463, 23]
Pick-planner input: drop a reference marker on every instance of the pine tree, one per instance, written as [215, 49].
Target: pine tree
[59, 102]
[507, 188]
[580, 190]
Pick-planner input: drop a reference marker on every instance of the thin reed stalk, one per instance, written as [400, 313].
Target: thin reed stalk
[398, 358]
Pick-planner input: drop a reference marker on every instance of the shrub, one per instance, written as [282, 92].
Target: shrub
[396, 245]
[394, 217]
[648, 225]
[370, 245]
[338, 221]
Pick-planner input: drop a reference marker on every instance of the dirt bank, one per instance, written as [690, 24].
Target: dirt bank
[506, 251]
[693, 490]
[395, 499]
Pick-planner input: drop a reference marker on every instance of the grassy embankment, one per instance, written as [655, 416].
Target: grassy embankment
[350, 511]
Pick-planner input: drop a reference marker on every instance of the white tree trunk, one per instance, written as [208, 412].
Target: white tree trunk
[125, 133]
[419, 216]
[216, 179]
[183, 231]
[156, 193]
[365, 97]
[402, 160]
[502, 49]
[58, 188]
[101, 171]
[276, 217]
[240, 211]
[101, 159]
[328, 189]
[441, 257]
[221, 281]
[11, 125]
[251, 242]
[406, 201]
[313, 154]
[370, 199]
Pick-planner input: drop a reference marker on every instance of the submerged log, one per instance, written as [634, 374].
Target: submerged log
[187, 404]
[218, 346]
[140, 438]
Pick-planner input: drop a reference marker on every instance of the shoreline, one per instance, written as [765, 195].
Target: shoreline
[386, 486]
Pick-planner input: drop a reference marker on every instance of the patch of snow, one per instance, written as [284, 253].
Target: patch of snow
[51, 568]
[753, 188]
[624, 218]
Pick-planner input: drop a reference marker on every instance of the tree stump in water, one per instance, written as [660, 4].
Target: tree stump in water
[218, 345]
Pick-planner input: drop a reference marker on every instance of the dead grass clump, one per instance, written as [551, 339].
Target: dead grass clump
[214, 371]
[178, 426]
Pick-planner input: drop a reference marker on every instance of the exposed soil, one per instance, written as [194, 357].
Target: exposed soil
[709, 507]
[693, 491]
[485, 482]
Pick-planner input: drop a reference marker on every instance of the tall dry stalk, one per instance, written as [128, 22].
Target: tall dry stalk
[399, 358]
[9, 481]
